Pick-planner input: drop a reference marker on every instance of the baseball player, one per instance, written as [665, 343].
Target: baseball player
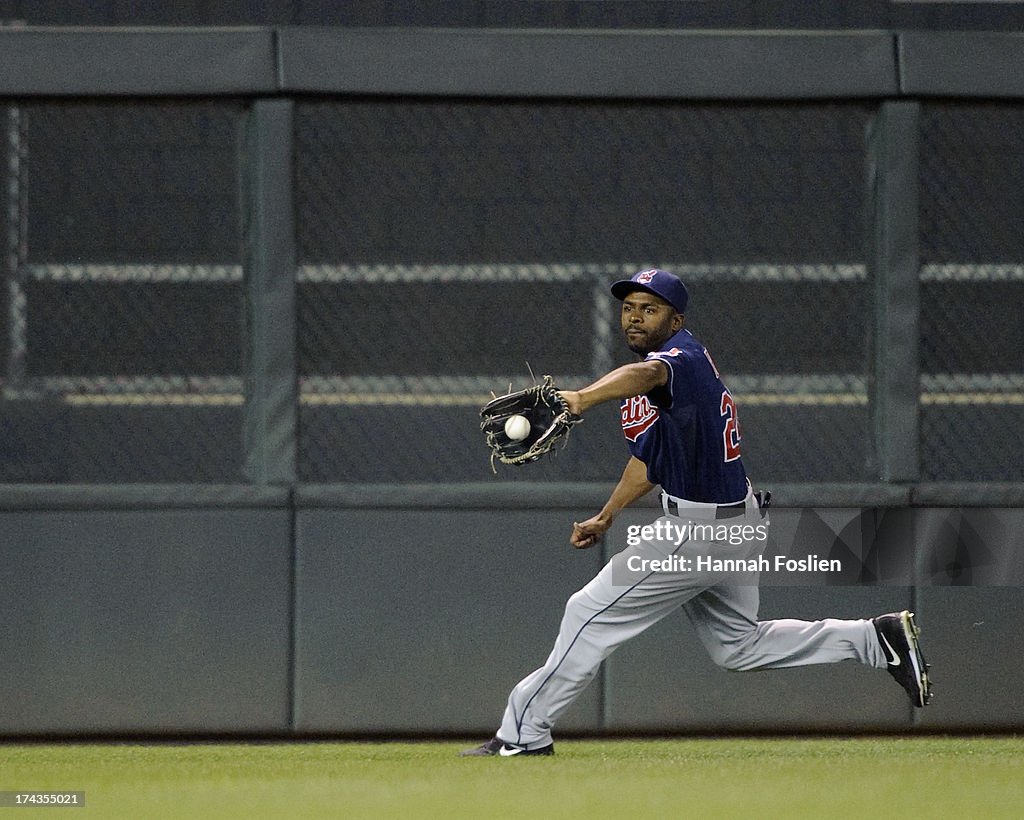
[683, 432]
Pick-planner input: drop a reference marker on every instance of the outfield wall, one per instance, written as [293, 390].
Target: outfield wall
[380, 611]
[266, 540]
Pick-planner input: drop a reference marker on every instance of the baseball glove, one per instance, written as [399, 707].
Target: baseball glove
[547, 412]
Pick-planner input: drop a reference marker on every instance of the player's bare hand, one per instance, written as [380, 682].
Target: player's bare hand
[587, 533]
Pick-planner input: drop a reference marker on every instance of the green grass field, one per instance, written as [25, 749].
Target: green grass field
[940, 777]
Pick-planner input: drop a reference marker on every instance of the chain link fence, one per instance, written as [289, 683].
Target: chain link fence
[122, 307]
[445, 245]
[972, 292]
[447, 248]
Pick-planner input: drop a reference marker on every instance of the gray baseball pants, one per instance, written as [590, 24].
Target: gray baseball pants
[620, 603]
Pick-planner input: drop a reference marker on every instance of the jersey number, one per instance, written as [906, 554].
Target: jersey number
[731, 433]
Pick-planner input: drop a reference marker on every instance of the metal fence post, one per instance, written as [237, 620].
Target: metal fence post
[271, 383]
[892, 259]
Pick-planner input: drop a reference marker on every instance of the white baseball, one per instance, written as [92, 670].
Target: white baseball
[517, 427]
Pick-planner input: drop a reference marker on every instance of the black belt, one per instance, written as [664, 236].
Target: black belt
[730, 510]
[722, 511]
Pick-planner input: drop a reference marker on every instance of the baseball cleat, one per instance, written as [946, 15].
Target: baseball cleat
[497, 746]
[897, 635]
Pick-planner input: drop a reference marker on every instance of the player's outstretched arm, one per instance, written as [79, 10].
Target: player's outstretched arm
[622, 383]
[631, 486]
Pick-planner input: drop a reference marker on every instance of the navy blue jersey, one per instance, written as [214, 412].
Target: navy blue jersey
[687, 431]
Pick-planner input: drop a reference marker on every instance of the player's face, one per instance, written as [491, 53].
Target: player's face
[648, 321]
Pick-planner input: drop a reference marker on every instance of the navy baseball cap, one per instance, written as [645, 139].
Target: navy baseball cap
[659, 282]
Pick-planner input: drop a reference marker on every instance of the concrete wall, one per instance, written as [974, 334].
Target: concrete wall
[154, 621]
[368, 612]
